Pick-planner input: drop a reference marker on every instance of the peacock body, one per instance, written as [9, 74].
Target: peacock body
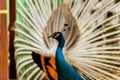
[90, 28]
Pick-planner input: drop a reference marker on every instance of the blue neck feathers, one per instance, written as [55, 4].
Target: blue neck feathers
[61, 41]
[65, 71]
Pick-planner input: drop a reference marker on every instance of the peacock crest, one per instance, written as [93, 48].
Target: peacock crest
[91, 29]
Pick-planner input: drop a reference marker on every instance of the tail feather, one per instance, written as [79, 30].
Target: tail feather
[91, 29]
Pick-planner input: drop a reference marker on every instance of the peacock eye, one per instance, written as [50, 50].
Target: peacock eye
[56, 35]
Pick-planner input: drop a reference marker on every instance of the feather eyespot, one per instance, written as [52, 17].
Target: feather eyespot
[64, 30]
[65, 24]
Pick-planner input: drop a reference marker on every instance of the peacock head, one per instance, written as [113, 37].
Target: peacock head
[59, 37]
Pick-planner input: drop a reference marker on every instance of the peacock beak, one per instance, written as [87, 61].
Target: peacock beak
[51, 36]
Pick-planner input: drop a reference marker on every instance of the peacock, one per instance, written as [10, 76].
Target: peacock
[67, 39]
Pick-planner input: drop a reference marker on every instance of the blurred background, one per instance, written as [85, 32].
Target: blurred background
[7, 19]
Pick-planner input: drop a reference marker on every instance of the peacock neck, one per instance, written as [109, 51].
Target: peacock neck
[61, 42]
[65, 71]
[59, 54]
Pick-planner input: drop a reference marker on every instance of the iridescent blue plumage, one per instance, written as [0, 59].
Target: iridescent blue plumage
[65, 71]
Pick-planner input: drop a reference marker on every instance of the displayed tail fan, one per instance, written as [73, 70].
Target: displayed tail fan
[92, 37]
